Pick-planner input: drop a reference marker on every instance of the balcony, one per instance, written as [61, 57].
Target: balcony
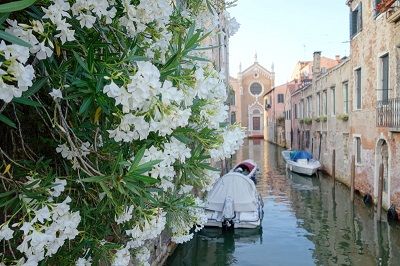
[388, 114]
[391, 8]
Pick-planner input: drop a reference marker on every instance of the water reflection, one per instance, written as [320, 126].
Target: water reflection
[307, 221]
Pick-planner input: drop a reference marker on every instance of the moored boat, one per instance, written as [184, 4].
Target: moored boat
[301, 162]
[234, 200]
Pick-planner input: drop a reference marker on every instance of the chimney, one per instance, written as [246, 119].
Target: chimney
[337, 57]
[317, 63]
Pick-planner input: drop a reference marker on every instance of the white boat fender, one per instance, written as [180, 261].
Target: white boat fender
[228, 211]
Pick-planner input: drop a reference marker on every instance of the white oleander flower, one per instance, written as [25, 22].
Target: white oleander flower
[125, 216]
[84, 262]
[56, 94]
[122, 257]
[58, 187]
[5, 232]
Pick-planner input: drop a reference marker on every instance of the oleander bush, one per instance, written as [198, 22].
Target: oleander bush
[110, 116]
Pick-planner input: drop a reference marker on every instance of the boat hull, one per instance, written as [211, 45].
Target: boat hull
[306, 168]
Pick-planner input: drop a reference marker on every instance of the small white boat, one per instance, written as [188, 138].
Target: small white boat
[302, 165]
[234, 200]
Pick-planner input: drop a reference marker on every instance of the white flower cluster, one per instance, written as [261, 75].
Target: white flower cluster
[232, 140]
[156, 13]
[73, 154]
[180, 227]
[142, 256]
[149, 229]
[232, 24]
[213, 114]
[173, 151]
[210, 84]
[52, 225]
[84, 262]
[87, 10]
[15, 75]
[125, 216]
[142, 94]
[57, 13]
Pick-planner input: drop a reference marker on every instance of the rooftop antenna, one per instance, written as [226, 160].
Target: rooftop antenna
[255, 58]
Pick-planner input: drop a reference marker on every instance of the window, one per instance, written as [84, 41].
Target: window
[319, 104]
[301, 109]
[385, 79]
[309, 106]
[307, 138]
[356, 20]
[333, 93]
[358, 149]
[295, 111]
[325, 101]
[357, 77]
[280, 98]
[345, 97]
[233, 118]
[256, 89]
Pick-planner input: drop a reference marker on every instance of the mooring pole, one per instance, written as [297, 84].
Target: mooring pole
[334, 165]
[353, 175]
[380, 191]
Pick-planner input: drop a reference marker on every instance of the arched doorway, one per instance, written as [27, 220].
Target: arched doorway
[382, 157]
[255, 124]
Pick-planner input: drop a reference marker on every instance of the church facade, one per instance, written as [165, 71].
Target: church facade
[247, 104]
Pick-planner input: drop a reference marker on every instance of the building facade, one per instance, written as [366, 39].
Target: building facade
[354, 108]
[247, 104]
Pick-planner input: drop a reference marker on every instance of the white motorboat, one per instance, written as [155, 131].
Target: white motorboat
[234, 200]
[301, 164]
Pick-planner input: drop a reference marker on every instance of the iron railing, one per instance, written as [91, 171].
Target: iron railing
[388, 113]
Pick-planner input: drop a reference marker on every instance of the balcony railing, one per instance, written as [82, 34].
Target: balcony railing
[388, 113]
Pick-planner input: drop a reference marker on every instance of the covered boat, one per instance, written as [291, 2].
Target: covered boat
[301, 162]
[234, 200]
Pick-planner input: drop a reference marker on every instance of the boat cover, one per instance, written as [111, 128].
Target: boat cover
[295, 155]
[236, 186]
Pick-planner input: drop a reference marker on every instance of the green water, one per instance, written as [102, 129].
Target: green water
[307, 221]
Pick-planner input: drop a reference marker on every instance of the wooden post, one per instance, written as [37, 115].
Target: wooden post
[334, 165]
[380, 190]
[353, 175]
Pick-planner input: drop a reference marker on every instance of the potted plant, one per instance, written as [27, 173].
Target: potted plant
[324, 118]
[343, 117]
[301, 121]
[308, 121]
[317, 119]
[384, 5]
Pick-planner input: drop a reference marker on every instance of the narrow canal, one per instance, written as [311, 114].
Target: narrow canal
[307, 221]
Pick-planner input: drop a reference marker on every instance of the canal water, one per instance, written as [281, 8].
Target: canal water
[307, 221]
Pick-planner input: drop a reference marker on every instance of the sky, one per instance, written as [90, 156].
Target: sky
[285, 32]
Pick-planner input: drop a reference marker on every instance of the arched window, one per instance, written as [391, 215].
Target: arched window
[256, 89]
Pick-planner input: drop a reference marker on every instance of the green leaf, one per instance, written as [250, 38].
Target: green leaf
[3, 17]
[80, 62]
[7, 193]
[7, 121]
[95, 179]
[26, 101]
[86, 105]
[146, 167]
[39, 83]
[132, 187]
[13, 39]
[9, 202]
[16, 5]
[145, 179]
[138, 157]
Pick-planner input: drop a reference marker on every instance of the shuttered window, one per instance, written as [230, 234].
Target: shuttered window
[385, 78]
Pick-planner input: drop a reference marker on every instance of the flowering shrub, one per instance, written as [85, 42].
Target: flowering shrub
[110, 115]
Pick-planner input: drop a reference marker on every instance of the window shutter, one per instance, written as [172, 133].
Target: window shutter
[359, 18]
